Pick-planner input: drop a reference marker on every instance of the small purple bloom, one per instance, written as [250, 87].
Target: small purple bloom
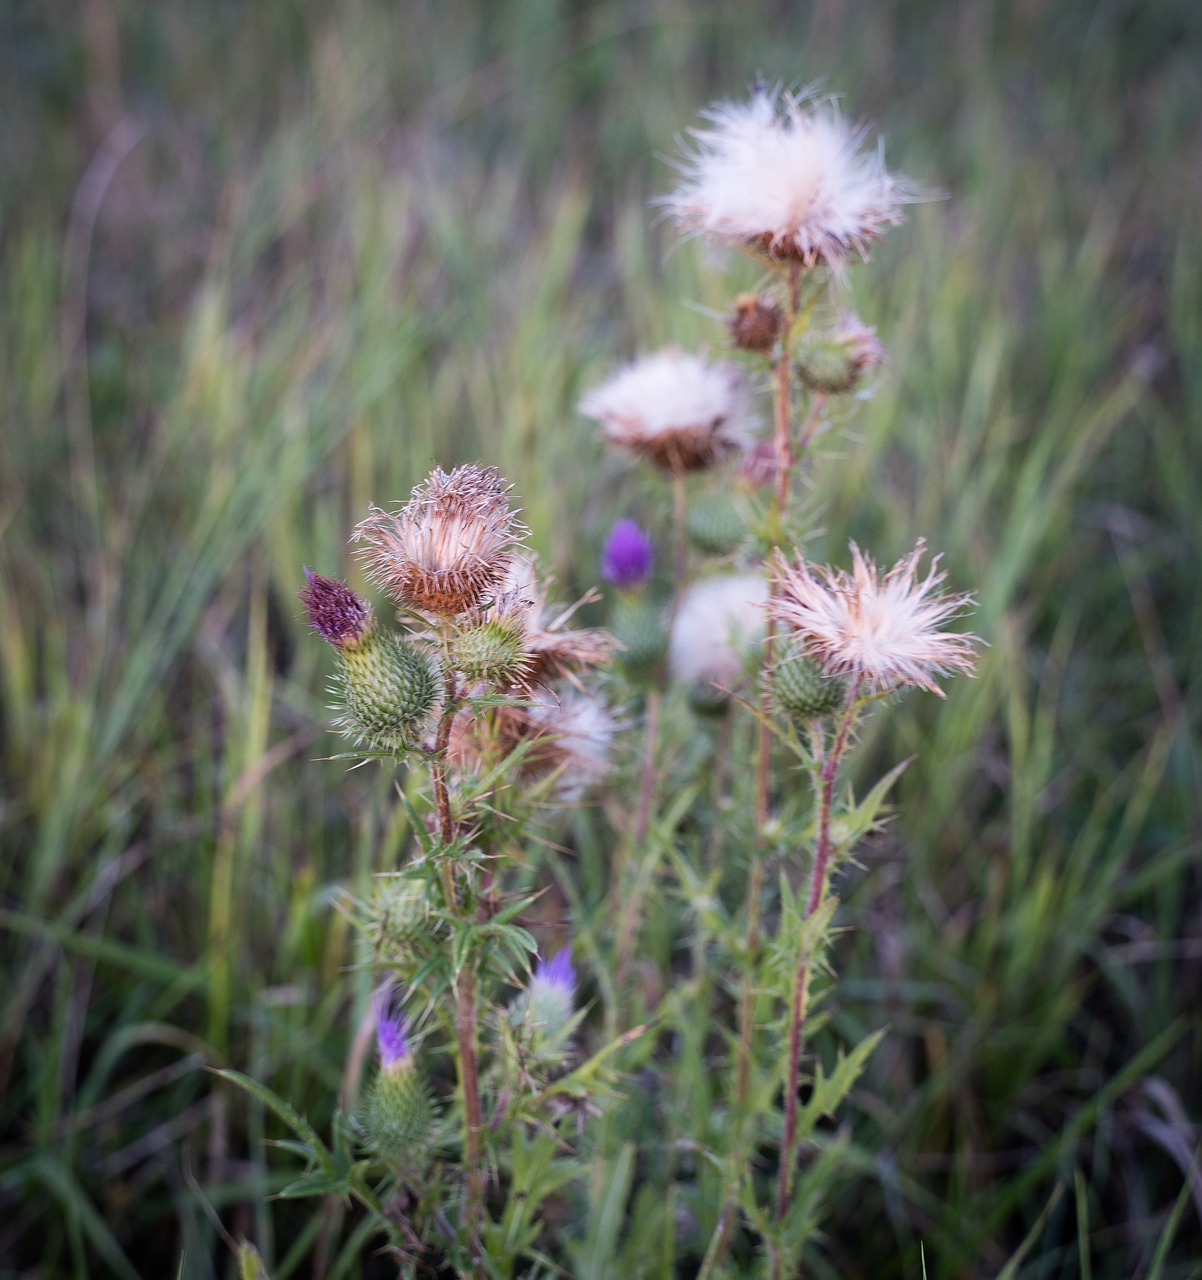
[392, 1030]
[557, 972]
[626, 557]
[335, 612]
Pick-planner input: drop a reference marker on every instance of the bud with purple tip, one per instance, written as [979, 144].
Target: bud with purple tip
[399, 1114]
[626, 557]
[544, 1014]
[386, 688]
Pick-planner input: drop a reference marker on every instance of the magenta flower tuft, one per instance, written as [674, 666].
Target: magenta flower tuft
[627, 556]
[335, 612]
[558, 972]
[392, 1031]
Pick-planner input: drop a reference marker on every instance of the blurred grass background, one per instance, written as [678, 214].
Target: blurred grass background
[261, 264]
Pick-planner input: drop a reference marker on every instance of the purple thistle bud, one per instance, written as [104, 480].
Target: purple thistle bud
[627, 555]
[335, 612]
[392, 1031]
[557, 972]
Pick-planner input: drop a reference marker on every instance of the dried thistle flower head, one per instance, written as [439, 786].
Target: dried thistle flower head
[756, 323]
[569, 736]
[886, 632]
[675, 410]
[449, 548]
[719, 620]
[788, 177]
[554, 650]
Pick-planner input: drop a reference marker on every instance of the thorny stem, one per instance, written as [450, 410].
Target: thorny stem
[822, 852]
[465, 987]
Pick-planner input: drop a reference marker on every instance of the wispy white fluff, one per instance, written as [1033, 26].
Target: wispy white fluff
[673, 404]
[790, 175]
[888, 631]
[718, 621]
[582, 728]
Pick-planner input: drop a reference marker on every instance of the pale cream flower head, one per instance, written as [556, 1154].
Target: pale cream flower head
[448, 550]
[719, 620]
[788, 177]
[569, 735]
[676, 410]
[886, 632]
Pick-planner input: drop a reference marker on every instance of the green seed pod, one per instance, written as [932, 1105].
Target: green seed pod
[640, 625]
[399, 1115]
[716, 525]
[387, 689]
[801, 692]
[835, 361]
[492, 651]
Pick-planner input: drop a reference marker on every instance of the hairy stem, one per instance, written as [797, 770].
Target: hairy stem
[822, 853]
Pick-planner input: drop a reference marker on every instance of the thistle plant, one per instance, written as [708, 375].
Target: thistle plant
[496, 1084]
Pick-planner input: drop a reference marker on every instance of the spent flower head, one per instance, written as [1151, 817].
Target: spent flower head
[675, 410]
[885, 631]
[627, 556]
[449, 548]
[789, 177]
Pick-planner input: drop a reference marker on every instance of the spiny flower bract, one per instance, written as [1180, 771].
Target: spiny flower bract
[789, 177]
[675, 410]
[886, 631]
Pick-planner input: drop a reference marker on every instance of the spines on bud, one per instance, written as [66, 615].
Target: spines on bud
[491, 644]
[800, 691]
[715, 525]
[640, 625]
[399, 921]
[399, 1114]
[835, 361]
[387, 689]
[544, 1014]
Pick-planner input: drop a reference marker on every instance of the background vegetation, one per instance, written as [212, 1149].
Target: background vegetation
[262, 264]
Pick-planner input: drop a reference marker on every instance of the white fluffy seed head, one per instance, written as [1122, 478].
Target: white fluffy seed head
[718, 622]
[886, 631]
[676, 410]
[789, 177]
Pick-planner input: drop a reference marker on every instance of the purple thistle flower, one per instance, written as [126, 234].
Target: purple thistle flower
[557, 972]
[392, 1030]
[627, 555]
[335, 612]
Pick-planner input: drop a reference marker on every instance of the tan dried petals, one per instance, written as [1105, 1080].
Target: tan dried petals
[886, 631]
[449, 548]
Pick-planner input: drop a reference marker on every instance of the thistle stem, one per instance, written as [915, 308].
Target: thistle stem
[822, 853]
[465, 986]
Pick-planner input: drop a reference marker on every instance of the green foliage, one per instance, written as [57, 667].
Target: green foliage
[323, 252]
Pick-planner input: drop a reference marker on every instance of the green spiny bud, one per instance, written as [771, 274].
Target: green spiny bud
[716, 525]
[801, 692]
[835, 361]
[640, 625]
[544, 1014]
[399, 1114]
[399, 920]
[387, 689]
[492, 651]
